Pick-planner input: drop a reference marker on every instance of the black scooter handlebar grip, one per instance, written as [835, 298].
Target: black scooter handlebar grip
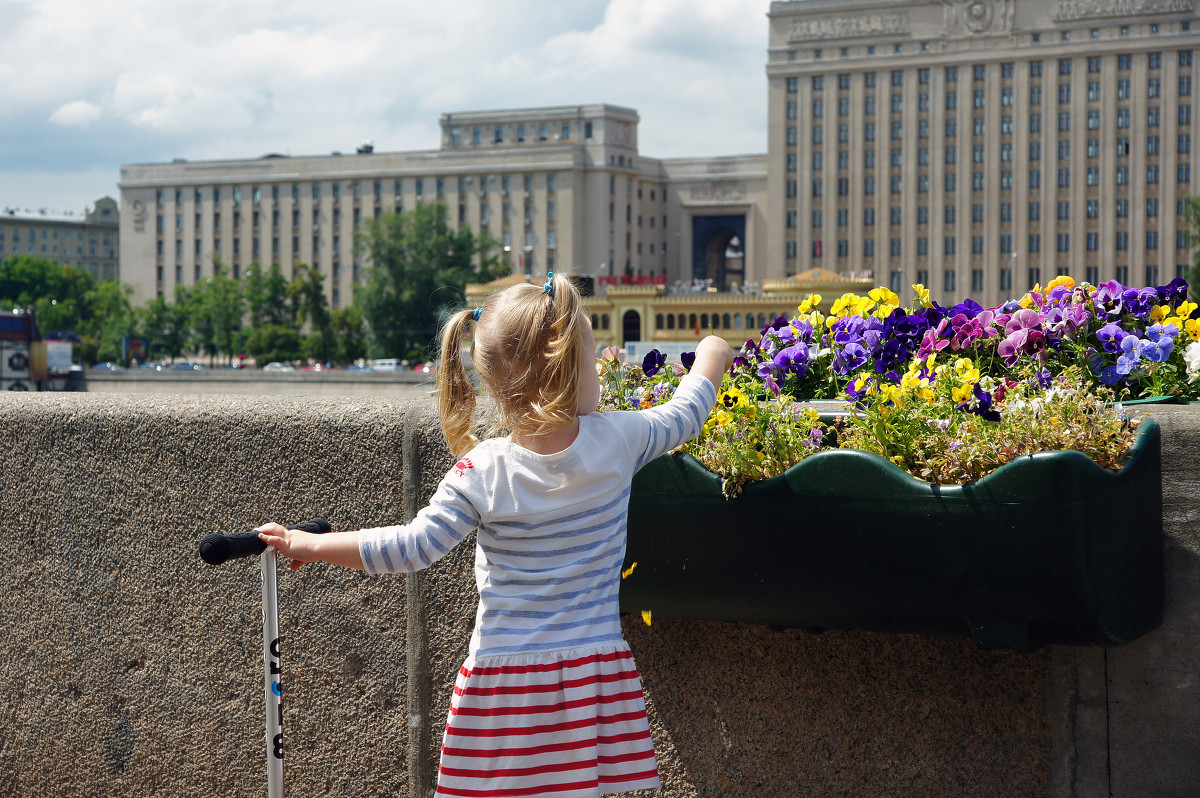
[216, 548]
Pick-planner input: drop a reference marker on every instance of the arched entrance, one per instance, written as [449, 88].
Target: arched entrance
[631, 327]
[718, 250]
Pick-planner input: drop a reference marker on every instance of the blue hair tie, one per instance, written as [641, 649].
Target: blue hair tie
[478, 312]
[548, 286]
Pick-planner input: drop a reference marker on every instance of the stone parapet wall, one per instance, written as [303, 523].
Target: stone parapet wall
[133, 669]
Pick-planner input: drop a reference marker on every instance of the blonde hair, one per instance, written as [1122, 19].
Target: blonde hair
[527, 348]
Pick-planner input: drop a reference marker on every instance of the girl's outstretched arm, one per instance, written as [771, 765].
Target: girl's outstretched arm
[339, 548]
[713, 359]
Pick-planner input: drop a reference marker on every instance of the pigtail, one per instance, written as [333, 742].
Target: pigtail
[560, 388]
[456, 395]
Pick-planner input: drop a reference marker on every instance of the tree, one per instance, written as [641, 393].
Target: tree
[217, 307]
[55, 291]
[307, 292]
[165, 325]
[419, 267]
[266, 296]
[350, 335]
[1191, 223]
[272, 342]
[106, 317]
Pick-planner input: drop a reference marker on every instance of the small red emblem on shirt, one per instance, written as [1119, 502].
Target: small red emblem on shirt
[462, 465]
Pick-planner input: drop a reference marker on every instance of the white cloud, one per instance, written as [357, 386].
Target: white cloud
[229, 79]
[76, 114]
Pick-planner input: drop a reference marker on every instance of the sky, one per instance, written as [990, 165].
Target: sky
[86, 86]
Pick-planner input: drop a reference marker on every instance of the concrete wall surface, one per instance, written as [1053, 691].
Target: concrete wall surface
[131, 668]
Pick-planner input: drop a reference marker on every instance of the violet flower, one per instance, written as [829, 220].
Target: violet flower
[1110, 337]
[652, 362]
[1108, 298]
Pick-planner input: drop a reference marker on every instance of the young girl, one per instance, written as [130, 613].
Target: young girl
[549, 701]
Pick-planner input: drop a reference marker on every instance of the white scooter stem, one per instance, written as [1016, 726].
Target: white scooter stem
[272, 675]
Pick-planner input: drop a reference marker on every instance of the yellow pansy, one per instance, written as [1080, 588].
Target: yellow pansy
[867, 383]
[816, 318]
[731, 398]
[965, 370]
[810, 303]
[1185, 309]
[1192, 328]
[922, 295]
[962, 393]
[1064, 280]
[851, 305]
[1159, 312]
[884, 296]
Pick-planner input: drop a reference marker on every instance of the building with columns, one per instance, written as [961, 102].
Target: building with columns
[981, 146]
[560, 188]
[89, 240]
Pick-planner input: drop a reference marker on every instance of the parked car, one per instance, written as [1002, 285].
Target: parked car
[159, 366]
[277, 366]
[356, 367]
[186, 365]
[425, 368]
[108, 367]
[387, 364]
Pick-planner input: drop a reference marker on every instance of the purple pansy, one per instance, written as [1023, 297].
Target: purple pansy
[652, 362]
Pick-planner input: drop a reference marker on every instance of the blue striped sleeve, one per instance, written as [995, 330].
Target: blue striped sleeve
[679, 420]
[438, 528]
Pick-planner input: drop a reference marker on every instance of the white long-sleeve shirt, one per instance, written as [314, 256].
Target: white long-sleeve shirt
[551, 527]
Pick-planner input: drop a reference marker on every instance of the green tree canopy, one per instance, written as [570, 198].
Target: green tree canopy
[1191, 222]
[55, 291]
[107, 318]
[216, 308]
[166, 325]
[307, 292]
[266, 296]
[350, 334]
[419, 267]
[273, 342]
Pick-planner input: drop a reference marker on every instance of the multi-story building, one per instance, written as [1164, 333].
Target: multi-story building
[90, 241]
[976, 146]
[981, 146]
[560, 188]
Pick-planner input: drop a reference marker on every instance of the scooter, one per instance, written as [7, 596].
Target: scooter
[216, 549]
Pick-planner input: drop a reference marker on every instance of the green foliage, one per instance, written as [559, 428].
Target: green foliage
[1191, 225]
[165, 326]
[923, 428]
[420, 266]
[266, 295]
[56, 292]
[307, 292]
[349, 333]
[216, 308]
[274, 342]
[107, 317]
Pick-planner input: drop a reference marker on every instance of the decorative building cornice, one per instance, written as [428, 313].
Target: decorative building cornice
[1067, 10]
[975, 17]
[849, 27]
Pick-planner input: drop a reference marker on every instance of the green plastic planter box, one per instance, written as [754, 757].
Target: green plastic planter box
[1047, 549]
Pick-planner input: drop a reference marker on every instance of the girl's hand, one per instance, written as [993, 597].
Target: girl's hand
[713, 359]
[291, 543]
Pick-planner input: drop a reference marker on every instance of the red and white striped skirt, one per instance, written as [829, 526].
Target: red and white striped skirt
[569, 724]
